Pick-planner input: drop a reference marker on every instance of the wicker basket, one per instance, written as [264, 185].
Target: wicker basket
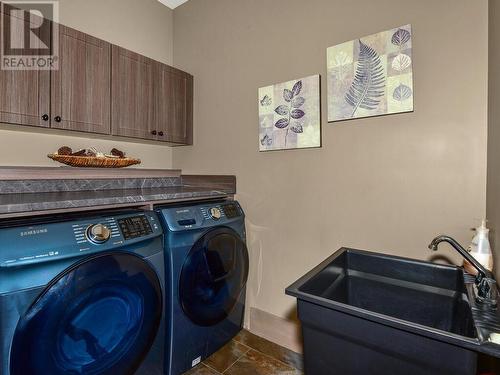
[94, 162]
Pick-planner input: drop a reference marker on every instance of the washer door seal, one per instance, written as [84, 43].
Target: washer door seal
[213, 276]
[99, 316]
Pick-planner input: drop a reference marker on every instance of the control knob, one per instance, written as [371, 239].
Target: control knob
[98, 233]
[215, 213]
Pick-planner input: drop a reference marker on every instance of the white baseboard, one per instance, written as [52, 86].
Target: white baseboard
[281, 331]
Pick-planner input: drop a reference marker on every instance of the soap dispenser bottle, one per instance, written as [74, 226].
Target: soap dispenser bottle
[480, 249]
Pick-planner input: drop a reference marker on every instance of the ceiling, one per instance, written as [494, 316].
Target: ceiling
[172, 4]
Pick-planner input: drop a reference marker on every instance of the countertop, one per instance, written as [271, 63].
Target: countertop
[12, 205]
[32, 191]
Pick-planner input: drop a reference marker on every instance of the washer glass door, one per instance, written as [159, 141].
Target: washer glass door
[213, 276]
[99, 316]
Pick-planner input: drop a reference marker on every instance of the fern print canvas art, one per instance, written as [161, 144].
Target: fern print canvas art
[289, 115]
[371, 76]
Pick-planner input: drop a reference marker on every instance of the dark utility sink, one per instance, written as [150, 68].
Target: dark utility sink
[422, 293]
[365, 312]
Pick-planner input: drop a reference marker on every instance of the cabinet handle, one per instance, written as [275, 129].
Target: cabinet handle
[57, 119]
[153, 132]
[160, 134]
[45, 117]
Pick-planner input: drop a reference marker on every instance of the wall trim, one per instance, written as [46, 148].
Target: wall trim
[281, 331]
[71, 173]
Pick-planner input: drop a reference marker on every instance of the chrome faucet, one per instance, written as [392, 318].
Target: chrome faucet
[485, 282]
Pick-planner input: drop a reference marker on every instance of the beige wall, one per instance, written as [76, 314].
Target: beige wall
[387, 184]
[493, 190]
[144, 26]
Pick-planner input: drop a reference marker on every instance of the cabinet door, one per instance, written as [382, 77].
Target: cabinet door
[24, 94]
[132, 93]
[81, 87]
[175, 105]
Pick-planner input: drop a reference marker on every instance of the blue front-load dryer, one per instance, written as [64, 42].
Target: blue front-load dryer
[82, 295]
[207, 269]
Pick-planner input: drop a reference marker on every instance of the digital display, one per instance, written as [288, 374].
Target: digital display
[231, 210]
[133, 227]
[187, 222]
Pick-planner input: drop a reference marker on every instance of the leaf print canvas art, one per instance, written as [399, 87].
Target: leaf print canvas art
[289, 115]
[371, 76]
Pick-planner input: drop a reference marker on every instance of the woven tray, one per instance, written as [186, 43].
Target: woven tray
[94, 162]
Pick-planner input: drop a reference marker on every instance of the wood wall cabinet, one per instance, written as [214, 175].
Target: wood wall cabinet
[81, 87]
[132, 104]
[174, 105]
[24, 94]
[100, 88]
[150, 100]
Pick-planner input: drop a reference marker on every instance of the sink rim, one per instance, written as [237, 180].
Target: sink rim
[435, 333]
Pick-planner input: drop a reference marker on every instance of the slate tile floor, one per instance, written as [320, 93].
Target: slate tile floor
[248, 354]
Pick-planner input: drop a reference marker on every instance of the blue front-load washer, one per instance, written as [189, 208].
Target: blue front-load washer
[82, 295]
[207, 269]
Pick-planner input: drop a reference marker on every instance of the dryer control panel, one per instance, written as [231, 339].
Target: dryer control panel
[202, 216]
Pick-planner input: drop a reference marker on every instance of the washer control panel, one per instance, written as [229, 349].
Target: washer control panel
[28, 244]
[135, 226]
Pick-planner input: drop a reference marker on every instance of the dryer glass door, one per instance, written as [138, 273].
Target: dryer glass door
[99, 316]
[213, 276]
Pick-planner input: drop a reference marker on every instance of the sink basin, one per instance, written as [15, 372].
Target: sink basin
[424, 293]
[371, 313]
